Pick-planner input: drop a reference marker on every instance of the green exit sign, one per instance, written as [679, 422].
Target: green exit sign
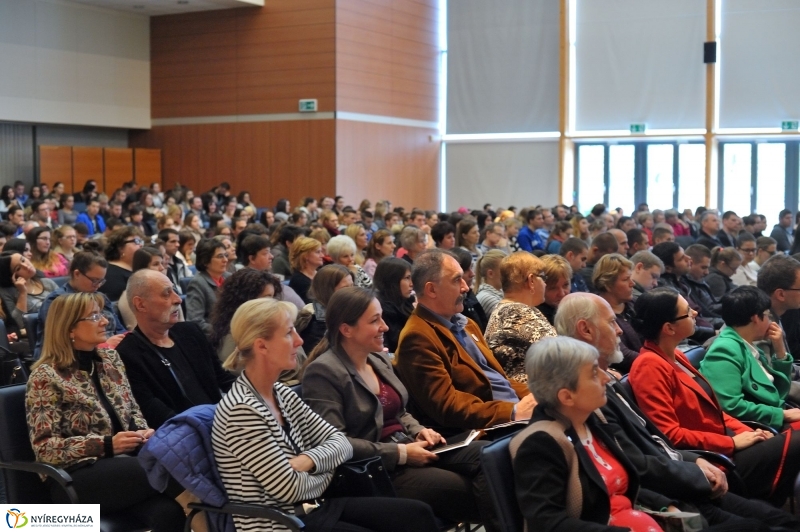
[308, 106]
[637, 128]
[789, 125]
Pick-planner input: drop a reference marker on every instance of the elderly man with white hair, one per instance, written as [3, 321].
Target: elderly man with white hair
[682, 475]
[170, 364]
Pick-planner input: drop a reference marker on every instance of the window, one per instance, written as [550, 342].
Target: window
[771, 184]
[691, 176]
[660, 180]
[736, 178]
[621, 171]
[591, 169]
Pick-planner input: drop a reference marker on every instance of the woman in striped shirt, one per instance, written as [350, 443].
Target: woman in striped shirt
[271, 449]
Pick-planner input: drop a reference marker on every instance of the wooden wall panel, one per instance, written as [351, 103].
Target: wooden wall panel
[271, 160]
[118, 164]
[55, 164]
[379, 161]
[87, 163]
[394, 43]
[244, 61]
[147, 166]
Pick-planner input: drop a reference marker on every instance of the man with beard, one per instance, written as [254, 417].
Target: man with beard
[453, 379]
[682, 475]
[171, 365]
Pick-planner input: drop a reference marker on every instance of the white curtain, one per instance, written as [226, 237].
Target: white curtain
[503, 66]
[759, 43]
[509, 173]
[640, 61]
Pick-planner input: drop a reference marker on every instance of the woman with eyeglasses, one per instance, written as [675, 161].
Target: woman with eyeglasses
[746, 274]
[724, 263]
[65, 241]
[44, 259]
[122, 244]
[516, 323]
[22, 289]
[684, 406]
[613, 281]
[201, 294]
[82, 417]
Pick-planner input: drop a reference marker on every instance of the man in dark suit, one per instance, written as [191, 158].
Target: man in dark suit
[709, 228]
[679, 474]
[170, 364]
[782, 232]
[731, 225]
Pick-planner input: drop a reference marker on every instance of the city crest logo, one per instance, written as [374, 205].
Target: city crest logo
[16, 518]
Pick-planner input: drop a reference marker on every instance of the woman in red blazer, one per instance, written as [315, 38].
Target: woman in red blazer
[682, 403]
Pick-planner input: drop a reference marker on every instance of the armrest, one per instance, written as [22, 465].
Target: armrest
[756, 425]
[717, 459]
[56, 473]
[253, 510]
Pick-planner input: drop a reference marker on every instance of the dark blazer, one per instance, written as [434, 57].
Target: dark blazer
[630, 343]
[681, 479]
[153, 385]
[395, 317]
[708, 241]
[541, 475]
[726, 240]
[333, 389]
[782, 237]
[201, 295]
[679, 406]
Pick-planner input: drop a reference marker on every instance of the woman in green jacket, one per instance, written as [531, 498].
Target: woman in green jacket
[750, 385]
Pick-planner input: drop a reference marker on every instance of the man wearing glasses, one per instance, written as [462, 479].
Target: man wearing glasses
[495, 233]
[87, 274]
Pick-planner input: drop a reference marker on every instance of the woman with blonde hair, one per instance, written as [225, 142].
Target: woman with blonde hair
[65, 240]
[724, 263]
[82, 416]
[359, 235]
[342, 250]
[488, 285]
[323, 236]
[380, 247]
[558, 285]
[580, 227]
[46, 260]
[305, 258]
[614, 282]
[271, 449]
[516, 323]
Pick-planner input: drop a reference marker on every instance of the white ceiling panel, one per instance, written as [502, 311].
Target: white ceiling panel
[168, 7]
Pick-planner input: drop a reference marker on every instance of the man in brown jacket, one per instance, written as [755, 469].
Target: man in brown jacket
[453, 379]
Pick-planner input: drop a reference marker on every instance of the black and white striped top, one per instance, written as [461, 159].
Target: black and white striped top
[253, 451]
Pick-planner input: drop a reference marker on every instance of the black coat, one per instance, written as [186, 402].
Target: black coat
[154, 387]
[474, 310]
[541, 475]
[395, 318]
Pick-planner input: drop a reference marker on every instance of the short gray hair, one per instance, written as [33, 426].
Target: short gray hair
[553, 364]
[340, 244]
[647, 259]
[410, 236]
[574, 308]
[427, 268]
[139, 285]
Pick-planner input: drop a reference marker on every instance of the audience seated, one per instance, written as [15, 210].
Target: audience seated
[414, 242]
[488, 284]
[779, 278]
[647, 270]
[153, 259]
[342, 250]
[194, 375]
[745, 274]
[381, 246]
[724, 263]
[683, 405]
[306, 259]
[558, 283]
[603, 244]
[267, 441]
[516, 323]
[43, 258]
[709, 228]
[697, 290]
[311, 322]
[120, 247]
[782, 232]
[472, 307]
[82, 416]
[613, 282]
[453, 379]
[766, 247]
[201, 294]
[351, 385]
[396, 295]
[22, 289]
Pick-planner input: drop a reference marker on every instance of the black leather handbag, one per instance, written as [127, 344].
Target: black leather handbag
[361, 478]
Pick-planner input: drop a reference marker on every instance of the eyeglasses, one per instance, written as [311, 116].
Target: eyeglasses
[94, 318]
[542, 276]
[792, 289]
[679, 318]
[221, 256]
[138, 241]
[97, 283]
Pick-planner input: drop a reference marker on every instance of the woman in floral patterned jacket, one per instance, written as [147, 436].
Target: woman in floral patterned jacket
[82, 417]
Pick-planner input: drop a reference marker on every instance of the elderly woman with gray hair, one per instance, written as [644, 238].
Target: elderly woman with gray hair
[342, 250]
[569, 472]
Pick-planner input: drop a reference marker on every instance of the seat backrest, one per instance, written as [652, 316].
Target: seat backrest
[499, 472]
[60, 281]
[184, 282]
[684, 241]
[4, 335]
[15, 446]
[31, 327]
[695, 355]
